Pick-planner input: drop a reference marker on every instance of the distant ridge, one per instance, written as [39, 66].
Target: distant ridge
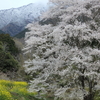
[1, 32]
[21, 34]
[14, 20]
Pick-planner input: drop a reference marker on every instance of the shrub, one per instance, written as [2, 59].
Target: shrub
[15, 90]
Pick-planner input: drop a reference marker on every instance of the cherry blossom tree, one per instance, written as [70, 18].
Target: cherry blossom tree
[66, 56]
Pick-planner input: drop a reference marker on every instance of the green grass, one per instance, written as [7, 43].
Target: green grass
[13, 90]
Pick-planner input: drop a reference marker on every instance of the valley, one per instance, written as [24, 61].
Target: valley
[55, 51]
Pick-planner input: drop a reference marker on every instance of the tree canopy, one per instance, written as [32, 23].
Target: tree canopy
[66, 56]
[8, 50]
[9, 42]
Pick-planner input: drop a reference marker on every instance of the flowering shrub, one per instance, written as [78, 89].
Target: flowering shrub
[15, 90]
[6, 83]
[4, 94]
[23, 84]
[20, 90]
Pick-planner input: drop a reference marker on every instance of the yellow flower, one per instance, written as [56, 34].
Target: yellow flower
[20, 83]
[9, 87]
[5, 95]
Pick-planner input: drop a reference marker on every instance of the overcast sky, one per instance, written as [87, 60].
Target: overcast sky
[7, 4]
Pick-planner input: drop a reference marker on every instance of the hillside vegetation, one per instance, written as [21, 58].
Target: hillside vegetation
[15, 90]
[21, 34]
[8, 51]
[2, 32]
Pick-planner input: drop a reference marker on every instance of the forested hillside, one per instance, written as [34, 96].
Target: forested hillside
[1, 32]
[8, 55]
[64, 49]
[21, 34]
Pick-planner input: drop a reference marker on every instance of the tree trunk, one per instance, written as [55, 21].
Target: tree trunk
[89, 97]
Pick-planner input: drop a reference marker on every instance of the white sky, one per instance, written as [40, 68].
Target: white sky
[7, 4]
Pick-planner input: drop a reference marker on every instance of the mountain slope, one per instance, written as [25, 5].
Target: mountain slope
[1, 32]
[13, 29]
[21, 34]
[20, 17]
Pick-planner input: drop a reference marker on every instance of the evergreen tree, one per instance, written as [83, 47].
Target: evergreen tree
[8, 51]
[9, 43]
